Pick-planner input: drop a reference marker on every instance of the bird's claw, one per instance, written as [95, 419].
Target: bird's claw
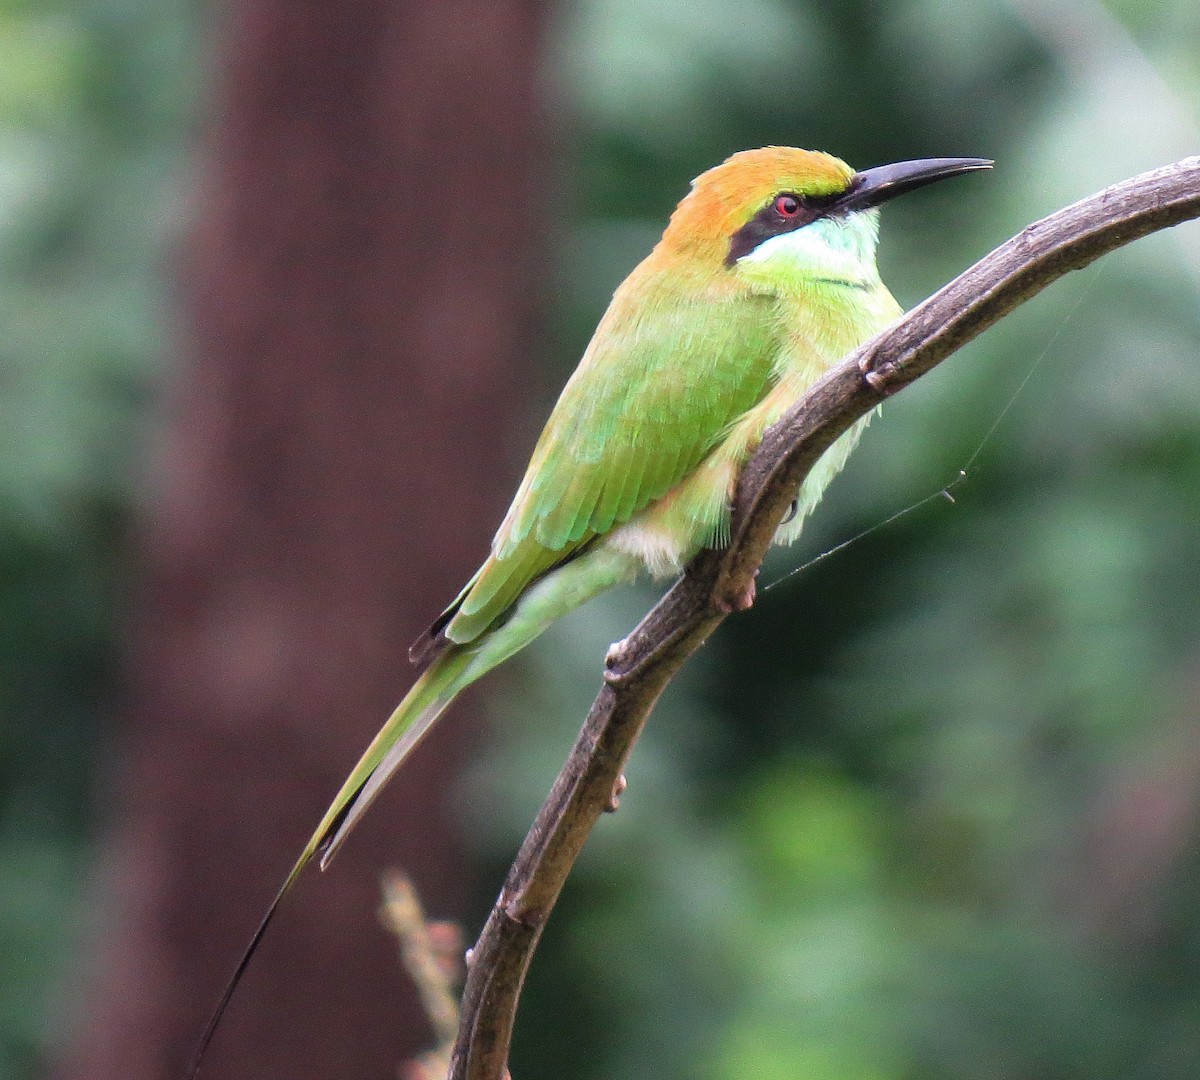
[743, 602]
[614, 799]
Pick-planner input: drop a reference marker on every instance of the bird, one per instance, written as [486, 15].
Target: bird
[764, 277]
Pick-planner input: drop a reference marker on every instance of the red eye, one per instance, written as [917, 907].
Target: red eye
[787, 205]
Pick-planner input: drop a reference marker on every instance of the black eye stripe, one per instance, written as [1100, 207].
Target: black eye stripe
[769, 221]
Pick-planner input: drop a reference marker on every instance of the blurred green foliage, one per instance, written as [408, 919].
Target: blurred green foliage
[929, 810]
[94, 95]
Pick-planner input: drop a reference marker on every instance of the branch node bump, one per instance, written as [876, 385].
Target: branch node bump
[530, 918]
[616, 660]
[877, 378]
[614, 800]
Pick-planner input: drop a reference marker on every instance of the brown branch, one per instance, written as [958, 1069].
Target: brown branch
[641, 666]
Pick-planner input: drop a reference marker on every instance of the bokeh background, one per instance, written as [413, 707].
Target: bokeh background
[285, 294]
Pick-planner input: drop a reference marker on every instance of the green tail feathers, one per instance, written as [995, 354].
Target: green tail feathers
[410, 721]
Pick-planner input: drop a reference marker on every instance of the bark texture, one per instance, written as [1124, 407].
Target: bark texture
[356, 290]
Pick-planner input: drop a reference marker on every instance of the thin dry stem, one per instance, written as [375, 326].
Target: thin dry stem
[425, 956]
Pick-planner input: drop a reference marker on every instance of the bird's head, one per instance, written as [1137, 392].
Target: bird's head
[779, 213]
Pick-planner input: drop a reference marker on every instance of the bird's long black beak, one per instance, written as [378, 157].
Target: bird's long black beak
[873, 186]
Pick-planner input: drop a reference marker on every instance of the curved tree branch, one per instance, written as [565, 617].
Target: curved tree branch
[640, 667]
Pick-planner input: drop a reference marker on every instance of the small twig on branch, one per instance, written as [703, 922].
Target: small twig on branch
[431, 954]
[639, 668]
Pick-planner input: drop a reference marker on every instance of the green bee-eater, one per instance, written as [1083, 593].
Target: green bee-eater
[764, 277]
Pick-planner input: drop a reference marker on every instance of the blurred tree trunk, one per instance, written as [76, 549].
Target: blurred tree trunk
[356, 292]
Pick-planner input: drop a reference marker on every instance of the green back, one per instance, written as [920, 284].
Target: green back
[667, 372]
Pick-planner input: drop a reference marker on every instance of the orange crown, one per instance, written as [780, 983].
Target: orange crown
[728, 195]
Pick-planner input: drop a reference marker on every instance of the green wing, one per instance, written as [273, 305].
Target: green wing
[665, 375]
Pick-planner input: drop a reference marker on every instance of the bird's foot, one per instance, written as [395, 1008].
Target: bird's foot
[740, 603]
[614, 800]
